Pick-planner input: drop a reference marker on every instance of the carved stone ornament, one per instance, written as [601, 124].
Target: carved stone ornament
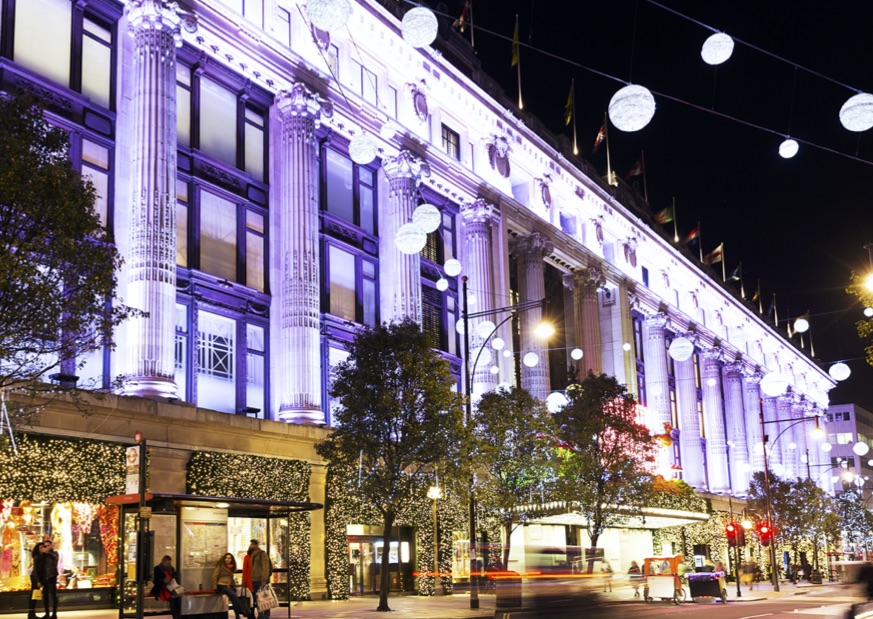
[665, 276]
[419, 100]
[545, 192]
[630, 251]
[160, 15]
[298, 100]
[597, 222]
[498, 149]
[321, 38]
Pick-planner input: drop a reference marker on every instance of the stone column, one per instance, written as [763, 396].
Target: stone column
[690, 445]
[736, 427]
[530, 251]
[657, 382]
[400, 273]
[626, 301]
[713, 419]
[801, 435]
[752, 405]
[154, 25]
[774, 454]
[584, 282]
[296, 151]
[480, 219]
[790, 458]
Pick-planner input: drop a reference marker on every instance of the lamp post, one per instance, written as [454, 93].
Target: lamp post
[435, 493]
[513, 310]
[736, 549]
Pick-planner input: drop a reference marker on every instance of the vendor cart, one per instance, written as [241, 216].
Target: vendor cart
[707, 584]
[662, 579]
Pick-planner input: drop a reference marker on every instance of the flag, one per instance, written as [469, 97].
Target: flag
[515, 44]
[636, 170]
[772, 310]
[692, 236]
[462, 20]
[715, 255]
[665, 216]
[756, 295]
[735, 274]
[601, 135]
[568, 107]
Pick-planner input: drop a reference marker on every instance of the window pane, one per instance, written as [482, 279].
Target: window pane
[255, 11]
[370, 302]
[42, 37]
[391, 103]
[368, 269]
[255, 338]
[216, 350]
[254, 221]
[183, 116]
[255, 261]
[217, 121]
[370, 86]
[217, 236]
[367, 213]
[90, 373]
[95, 154]
[340, 200]
[100, 180]
[255, 382]
[96, 69]
[283, 27]
[355, 70]
[181, 234]
[181, 373]
[255, 152]
[342, 283]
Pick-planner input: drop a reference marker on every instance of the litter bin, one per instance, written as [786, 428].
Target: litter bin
[815, 577]
[508, 589]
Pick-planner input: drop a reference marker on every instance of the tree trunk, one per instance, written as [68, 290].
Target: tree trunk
[507, 532]
[385, 576]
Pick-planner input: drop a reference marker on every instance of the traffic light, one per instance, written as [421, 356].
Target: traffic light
[741, 536]
[731, 532]
[765, 533]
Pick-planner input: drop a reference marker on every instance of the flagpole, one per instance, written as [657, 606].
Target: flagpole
[723, 261]
[760, 300]
[472, 35]
[645, 185]
[573, 94]
[518, 63]
[699, 241]
[606, 139]
[775, 312]
[742, 287]
[675, 225]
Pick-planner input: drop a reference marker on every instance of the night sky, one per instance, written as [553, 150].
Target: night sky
[798, 225]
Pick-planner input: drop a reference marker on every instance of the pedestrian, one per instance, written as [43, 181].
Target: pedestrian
[865, 578]
[164, 575]
[224, 582]
[606, 570]
[47, 574]
[719, 567]
[635, 575]
[34, 582]
[261, 571]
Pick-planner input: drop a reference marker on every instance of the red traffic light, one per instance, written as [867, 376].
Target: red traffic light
[765, 533]
[731, 532]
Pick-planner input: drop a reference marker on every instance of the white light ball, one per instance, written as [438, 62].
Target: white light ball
[503, 387]
[471, 299]
[459, 326]
[717, 49]
[801, 325]
[860, 448]
[328, 15]
[497, 343]
[788, 148]
[555, 401]
[427, 217]
[481, 356]
[868, 312]
[442, 284]
[419, 27]
[576, 354]
[388, 131]
[792, 445]
[711, 382]
[870, 462]
[779, 469]
[839, 371]
[774, 384]
[363, 148]
[484, 328]
[531, 359]
[759, 449]
[410, 239]
[803, 458]
[626, 347]
[857, 112]
[826, 447]
[681, 349]
[452, 267]
[507, 353]
[495, 369]
[632, 108]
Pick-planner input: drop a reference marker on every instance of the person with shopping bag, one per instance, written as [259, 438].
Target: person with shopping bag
[47, 578]
[166, 586]
[224, 582]
[258, 573]
[35, 587]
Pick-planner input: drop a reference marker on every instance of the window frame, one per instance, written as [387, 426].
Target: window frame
[451, 142]
[360, 257]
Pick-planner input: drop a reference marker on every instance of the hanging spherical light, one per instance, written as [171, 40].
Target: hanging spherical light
[788, 148]
[495, 369]
[459, 326]
[419, 27]
[507, 353]
[410, 239]
[711, 382]
[576, 354]
[484, 328]
[717, 49]
[531, 359]
[681, 349]
[792, 445]
[481, 356]
[503, 387]
[471, 299]
[427, 217]
[497, 343]
[442, 284]
[328, 15]
[779, 469]
[860, 448]
[631, 108]
[839, 371]
[774, 384]
[801, 324]
[857, 113]
[388, 130]
[868, 312]
[555, 401]
[452, 267]
[626, 346]
[363, 148]
[826, 447]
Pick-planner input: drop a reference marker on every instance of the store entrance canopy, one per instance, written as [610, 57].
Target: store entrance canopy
[252, 506]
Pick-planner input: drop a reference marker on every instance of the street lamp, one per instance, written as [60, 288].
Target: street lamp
[435, 493]
[512, 311]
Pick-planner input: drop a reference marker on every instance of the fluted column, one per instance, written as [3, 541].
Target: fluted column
[713, 419]
[657, 382]
[626, 300]
[774, 454]
[401, 273]
[154, 25]
[586, 317]
[752, 397]
[530, 251]
[802, 435]
[690, 445]
[790, 457]
[736, 427]
[480, 219]
[299, 381]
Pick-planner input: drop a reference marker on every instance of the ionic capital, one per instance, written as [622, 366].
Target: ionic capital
[533, 245]
[299, 101]
[479, 212]
[161, 15]
[405, 166]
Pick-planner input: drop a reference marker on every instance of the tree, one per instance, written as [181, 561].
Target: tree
[512, 455]
[608, 453]
[855, 519]
[398, 421]
[58, 264]
[862, 288]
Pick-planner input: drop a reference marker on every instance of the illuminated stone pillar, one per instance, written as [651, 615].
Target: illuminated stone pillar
[400, 273]
[774, 454]
[296, 151]
[690, 443]
[657, 381]
[530, 251]
[790, 457]
[155, 26]
[585, 282]
[736, 427]
[713, 420]
[752, 402]
[626, 301]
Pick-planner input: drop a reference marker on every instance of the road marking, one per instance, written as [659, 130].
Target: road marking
[750, 616]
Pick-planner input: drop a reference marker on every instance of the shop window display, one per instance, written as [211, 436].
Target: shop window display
[84, 534]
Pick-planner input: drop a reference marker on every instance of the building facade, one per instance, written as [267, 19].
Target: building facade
[217, 134]
[850, 432]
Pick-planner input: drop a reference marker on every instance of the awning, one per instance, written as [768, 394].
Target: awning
[651, 518]
[254, 506]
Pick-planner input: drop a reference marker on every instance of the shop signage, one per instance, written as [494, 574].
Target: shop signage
[131, 470]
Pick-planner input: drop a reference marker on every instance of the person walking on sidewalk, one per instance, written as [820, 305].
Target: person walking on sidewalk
[47, 575]
[34, 581]
[262, 570]
[635, 575]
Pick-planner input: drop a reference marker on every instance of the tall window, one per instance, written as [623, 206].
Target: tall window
[350, 190]
[216, 362]
[439, 314]
[218, 236]
[96, 167]
[451, 143]
[351, 285]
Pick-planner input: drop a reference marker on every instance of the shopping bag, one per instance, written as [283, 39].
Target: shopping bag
[266, 598]
[175, 588]
[36, 594]
[245, 599]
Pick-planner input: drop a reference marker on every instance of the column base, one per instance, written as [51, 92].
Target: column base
[310, 417]
[152, 388]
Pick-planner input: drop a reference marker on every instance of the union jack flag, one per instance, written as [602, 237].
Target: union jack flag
[601, 135]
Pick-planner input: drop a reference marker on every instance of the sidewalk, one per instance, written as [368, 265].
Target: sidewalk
[623, 592]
